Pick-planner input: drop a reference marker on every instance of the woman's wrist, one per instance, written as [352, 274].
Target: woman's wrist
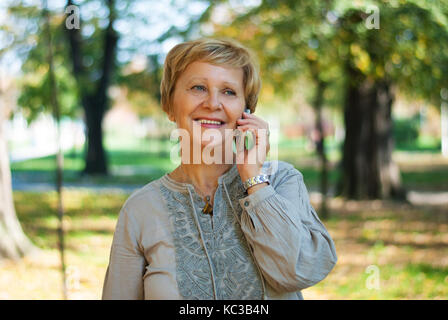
[256, 187]
[250, 173]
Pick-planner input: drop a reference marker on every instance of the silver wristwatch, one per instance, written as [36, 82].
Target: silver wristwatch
[256, 180]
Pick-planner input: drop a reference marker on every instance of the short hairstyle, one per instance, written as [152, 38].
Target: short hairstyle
[222, 52]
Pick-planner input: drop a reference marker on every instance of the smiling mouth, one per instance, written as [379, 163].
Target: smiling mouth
[205, 122]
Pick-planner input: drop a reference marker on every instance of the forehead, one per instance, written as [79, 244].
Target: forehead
[205, 71]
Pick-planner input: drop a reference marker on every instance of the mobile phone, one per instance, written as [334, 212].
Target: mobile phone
[248, 137]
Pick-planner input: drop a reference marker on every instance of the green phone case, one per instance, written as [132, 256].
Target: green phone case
[249, 140]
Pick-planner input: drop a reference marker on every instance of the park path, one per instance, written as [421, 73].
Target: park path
[436, 198]
[47, 187]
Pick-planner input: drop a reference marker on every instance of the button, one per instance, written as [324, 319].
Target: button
[246, 203]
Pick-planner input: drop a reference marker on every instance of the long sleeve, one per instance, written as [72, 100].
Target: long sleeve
[124, 275]
[289, 242]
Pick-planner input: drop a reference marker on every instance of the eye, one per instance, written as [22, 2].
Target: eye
[229, 92]
[198, 88]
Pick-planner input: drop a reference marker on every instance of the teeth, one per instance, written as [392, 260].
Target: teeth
[209, 121]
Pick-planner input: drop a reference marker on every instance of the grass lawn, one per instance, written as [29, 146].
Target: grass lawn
[89, 222]
[142, 161]
[405, 246]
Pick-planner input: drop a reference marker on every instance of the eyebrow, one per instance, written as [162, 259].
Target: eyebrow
[203, 78]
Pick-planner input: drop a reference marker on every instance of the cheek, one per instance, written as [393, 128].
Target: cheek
[183, 106]
[236, 112]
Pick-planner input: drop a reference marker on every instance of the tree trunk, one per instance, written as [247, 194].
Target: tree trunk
[444, 127]
[95, 159]
[13, 242]
[318, 101]
[94, 103]
[368, 171]
[320, 146]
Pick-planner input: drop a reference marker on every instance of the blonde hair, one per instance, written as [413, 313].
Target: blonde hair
[223, 52]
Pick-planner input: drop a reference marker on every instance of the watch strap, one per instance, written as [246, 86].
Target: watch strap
[256, 180]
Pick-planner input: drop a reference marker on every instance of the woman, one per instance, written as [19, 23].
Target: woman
[210, 230]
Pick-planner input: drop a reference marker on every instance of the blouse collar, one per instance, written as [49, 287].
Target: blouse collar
[174, 185]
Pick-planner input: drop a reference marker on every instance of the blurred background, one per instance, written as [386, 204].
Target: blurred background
[356, 92]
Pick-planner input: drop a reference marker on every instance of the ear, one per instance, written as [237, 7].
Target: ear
[171, 117]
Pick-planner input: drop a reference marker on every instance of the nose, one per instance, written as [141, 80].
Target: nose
[213, 101]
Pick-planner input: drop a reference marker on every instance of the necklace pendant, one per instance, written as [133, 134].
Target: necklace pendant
[208, 209]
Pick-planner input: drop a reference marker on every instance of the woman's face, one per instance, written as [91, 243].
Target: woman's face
[207, 91]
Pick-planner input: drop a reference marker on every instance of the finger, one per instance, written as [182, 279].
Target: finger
[253, 123]
[249, 115]
[257, 129]
[260, 151]
[247, 121]
[240, 151]
[254, 132]
[239, 139]
[246, 127]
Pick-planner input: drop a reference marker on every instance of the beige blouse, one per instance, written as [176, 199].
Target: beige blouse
[266, 245]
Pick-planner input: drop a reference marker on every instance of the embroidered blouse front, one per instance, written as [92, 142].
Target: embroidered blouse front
[267, 245]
